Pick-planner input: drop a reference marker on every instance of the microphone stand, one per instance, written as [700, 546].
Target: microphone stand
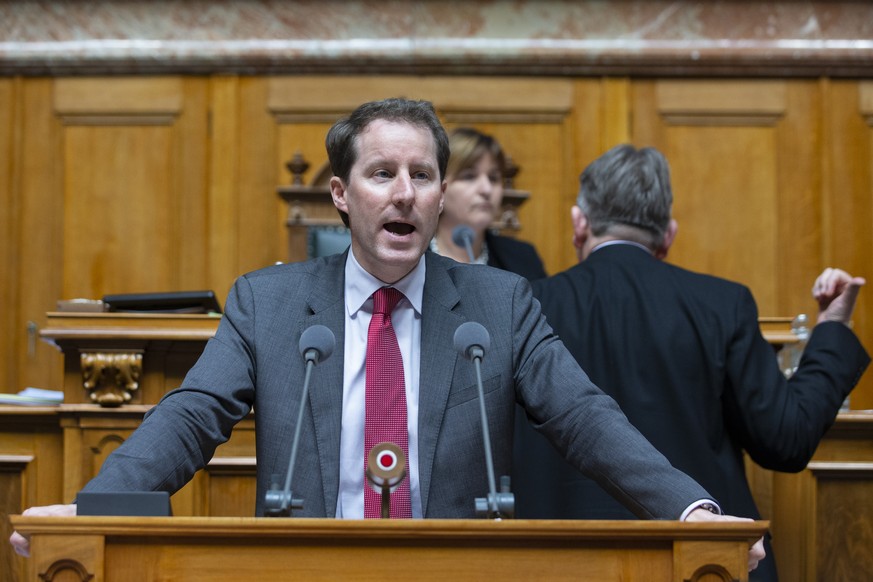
[316, 342]
[500, 504]
[279, 503]
[492, 510]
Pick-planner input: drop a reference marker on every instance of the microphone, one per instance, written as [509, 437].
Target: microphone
[386, 468]
[316, 345]
[472, 341]
[462, 235]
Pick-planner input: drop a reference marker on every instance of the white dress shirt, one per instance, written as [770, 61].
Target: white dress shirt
[406, 320]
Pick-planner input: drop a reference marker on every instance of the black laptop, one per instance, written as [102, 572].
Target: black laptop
[169, 302]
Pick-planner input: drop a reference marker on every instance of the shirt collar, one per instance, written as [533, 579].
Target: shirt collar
[360, 285]
[610, 243]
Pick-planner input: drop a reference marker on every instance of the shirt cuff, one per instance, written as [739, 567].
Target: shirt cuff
[707, 504]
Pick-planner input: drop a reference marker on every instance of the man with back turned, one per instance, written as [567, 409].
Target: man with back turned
[681, 352]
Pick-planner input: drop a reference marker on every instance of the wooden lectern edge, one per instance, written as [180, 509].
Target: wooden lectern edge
[53, 335]
[66, 326]
[582, 530]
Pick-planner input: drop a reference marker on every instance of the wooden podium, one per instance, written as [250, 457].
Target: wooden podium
[231, 549]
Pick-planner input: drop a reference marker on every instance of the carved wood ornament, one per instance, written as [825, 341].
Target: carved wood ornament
[111, 378]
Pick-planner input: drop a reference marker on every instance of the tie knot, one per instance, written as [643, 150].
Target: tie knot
[385, 299]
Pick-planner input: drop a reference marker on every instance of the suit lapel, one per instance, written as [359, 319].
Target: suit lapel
[326, 307]
[438, 324]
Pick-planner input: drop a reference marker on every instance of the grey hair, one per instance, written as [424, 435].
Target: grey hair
[628, 187]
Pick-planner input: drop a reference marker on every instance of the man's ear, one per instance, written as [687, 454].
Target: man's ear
[580, 226]
[338, 194]
[669, 237]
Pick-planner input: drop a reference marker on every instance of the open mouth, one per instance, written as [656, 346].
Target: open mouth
[399, 228]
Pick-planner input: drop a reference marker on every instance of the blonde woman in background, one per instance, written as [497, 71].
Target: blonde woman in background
[474, 195]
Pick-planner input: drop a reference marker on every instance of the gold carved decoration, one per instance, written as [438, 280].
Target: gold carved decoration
[111, 378]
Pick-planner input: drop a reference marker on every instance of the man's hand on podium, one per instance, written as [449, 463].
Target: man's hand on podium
[22, 543]
[756, 552]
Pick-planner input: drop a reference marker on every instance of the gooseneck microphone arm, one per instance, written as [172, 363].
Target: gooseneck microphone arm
[316, 344]
[471, 341]
[476, 355]
[462, 235]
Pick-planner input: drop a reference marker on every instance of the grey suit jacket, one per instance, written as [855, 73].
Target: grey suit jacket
[253, 361]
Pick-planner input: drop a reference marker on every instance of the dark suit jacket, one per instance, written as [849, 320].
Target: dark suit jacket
[253, 360]
[515, 256]
[683, 355]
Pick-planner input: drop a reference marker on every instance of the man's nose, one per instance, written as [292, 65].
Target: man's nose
[403, 191]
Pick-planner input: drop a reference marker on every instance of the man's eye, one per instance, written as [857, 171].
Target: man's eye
[421, 176]
[382, 174]
[494, 178]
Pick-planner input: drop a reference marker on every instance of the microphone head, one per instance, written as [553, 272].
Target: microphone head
[462, 235]
[469, 336]
[317, 343]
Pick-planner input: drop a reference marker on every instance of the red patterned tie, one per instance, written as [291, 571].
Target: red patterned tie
[386, 400]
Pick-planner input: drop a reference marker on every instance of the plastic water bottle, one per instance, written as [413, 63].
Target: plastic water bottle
[789, 356]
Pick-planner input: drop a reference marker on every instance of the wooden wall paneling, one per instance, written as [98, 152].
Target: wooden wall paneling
[799, 158]
[262, 212]
[31, 472]
[300, 121]
[844, 521]
[134, 185]
[822, 515]
[118, 239]
[792, 524]
[724, 141]
[34, 433]
[615, 112]
[9, 234]
[228, 487]
[190, 156]
[228, 484]
[12, 469]
[41, 228]
[223, 214]
[847, 207]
